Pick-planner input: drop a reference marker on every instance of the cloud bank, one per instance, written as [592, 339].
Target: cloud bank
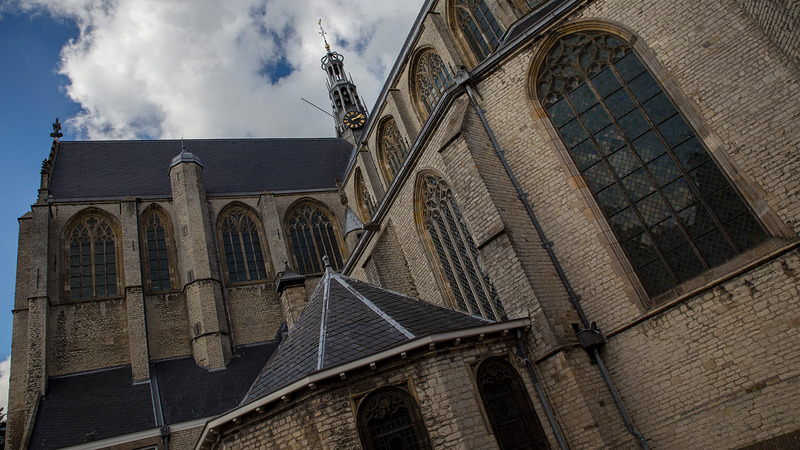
[5, 372]
[217, 68]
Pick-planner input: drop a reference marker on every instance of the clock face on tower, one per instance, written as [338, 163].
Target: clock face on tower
[354, 119]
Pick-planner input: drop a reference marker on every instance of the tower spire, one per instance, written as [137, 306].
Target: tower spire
[349, 111]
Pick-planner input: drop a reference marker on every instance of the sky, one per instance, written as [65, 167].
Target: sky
[166, 69]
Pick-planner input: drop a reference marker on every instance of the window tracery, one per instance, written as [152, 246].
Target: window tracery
[432, 79]
[393, 148]
[673, 211]
[241, 244]
[481, 29]
[455, 249]
[92, 258]
[389, 418]
[313, 235]
[157, 250]
[366, 204]
[508, 406]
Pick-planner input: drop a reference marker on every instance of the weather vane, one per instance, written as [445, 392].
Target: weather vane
[323, 33]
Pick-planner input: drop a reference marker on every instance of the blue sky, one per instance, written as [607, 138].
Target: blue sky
[148, 69]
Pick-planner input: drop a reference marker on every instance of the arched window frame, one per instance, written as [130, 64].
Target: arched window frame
[238, 214]
[519, 427]
[364, 198]
[96, 228]
[767, 219]
[163, 255]
[476, 25]
[458, 267]
[393, 148]
[300, 220]
[430, 78]
[390, 401]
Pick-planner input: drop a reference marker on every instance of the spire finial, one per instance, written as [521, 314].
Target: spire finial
[56, 130]
[183, 149]
[322, 33]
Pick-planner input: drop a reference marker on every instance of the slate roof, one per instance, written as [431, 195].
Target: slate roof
[83, 169]
[108, 404]
[345, 320]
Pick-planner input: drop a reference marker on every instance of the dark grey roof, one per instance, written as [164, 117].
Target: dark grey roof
[108, 404]
[105, 403]
[91, 169]
[347, 319]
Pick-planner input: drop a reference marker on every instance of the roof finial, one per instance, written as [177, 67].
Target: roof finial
[326, 261]
[183, 149]
[56, 130]
[323, 33]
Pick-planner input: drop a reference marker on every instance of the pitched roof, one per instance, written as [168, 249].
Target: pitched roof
[346, 319]
[103, 404]
[82, 169]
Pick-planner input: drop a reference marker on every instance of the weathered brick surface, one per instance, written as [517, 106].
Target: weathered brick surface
[780, 20]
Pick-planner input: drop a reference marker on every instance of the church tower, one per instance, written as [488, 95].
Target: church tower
[349, 111]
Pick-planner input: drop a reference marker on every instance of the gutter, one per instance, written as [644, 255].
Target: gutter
[315, 378]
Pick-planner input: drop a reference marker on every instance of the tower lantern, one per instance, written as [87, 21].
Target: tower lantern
[349, 111]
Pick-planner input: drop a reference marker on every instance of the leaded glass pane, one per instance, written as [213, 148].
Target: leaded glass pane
[675, 214]
[479, 26]
[157, 257]
[432, 78]
[393, 147]
[458, 256]
[242, 247]
[92, 259]
[313, 236]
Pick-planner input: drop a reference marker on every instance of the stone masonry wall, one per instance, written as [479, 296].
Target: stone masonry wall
[780, 20]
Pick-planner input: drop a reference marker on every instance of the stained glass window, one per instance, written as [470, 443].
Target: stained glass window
[508, 406]
[313, 236]
[92, 258]
[433, 79]
[671, 208]
[244, 259]
[389, 419]
[481, 29]
[366, 204]
[456, 251]
[393, 148]
[156, 251]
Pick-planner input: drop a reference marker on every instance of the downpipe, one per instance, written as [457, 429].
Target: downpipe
[589, 336]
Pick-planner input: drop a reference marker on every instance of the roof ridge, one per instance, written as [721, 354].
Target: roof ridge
[323, 321]
[374, 308]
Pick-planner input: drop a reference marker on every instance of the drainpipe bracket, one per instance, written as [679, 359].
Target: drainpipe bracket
[589, 338]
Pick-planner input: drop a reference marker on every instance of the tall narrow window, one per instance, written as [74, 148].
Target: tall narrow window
[313, 236]
[389, 418]
[366, 204]
[393, 149]
[92, 258]
[155, 229]
[432, 79]
[671, 208]
[481, 29]
[508, 406]
[239, 233]
[455, 250]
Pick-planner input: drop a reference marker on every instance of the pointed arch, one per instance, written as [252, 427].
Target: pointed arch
[242, 243]
[158, 249]
[508, 406]
[392, 148]
[364, 199]
[93, 255]
[390, 418]
[671, 208]
[429, 79]
[451, 249]
[476, 24]
[313, 233]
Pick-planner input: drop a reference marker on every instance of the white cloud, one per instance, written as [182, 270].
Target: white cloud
[5, 371]
[171, 68]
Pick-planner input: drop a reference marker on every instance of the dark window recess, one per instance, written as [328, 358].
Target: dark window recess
[312, 236]
[92, 259]
[389, 419]
[672, 209]
[242, 247]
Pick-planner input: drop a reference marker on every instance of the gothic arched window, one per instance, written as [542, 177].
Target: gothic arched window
[313, 235]
[389, 418]
[432, 79]
[481, 29]
[92, 257]
[455, 250]
[157, 247]
[366, 204]
[508, 406]
[393, 149]
[673, 211]
[239, 232]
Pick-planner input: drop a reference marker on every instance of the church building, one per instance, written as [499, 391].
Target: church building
[563, 224]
